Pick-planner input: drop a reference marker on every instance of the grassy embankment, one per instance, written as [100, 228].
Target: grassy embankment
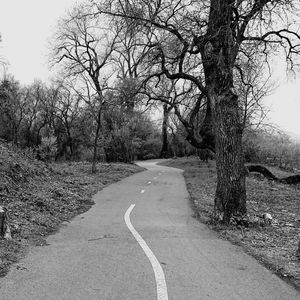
[40, 197]
[275, 245]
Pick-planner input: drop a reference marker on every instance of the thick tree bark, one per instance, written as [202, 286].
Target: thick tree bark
[230, 198]
[218, 54]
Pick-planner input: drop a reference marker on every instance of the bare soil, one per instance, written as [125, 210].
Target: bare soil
[273, 245]
[40, 197]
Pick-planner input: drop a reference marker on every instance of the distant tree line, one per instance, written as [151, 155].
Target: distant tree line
[59, 125]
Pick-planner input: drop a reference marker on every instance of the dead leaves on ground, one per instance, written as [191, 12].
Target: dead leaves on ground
[275, 245]
[40, 197]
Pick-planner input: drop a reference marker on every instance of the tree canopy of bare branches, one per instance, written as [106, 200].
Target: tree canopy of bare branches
[206, 43]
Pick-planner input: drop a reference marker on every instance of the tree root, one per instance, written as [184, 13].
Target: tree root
[294, 179]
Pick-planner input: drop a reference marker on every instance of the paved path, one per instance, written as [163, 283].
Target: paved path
[99, 256]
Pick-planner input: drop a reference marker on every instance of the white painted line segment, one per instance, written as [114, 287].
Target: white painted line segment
[161, 286]
[142, 191]
[149, 182]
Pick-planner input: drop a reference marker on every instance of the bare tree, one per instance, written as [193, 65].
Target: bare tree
[84, 46]
[34, 95]
[11, 108]
[67, 112]
[218, 33]
[166, 94]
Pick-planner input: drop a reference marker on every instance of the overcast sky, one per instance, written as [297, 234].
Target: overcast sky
[27, 25]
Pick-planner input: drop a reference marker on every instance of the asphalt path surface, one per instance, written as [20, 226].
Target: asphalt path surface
[140, 241]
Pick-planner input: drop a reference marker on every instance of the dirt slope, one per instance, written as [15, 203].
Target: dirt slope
[40, 197]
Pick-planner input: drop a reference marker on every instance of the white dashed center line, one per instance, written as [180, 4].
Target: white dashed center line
[149, 182]
[142, 191]
[161, 286]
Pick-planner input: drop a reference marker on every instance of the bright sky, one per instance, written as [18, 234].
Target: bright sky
[26, 26]
[284, 102]
[285, 107]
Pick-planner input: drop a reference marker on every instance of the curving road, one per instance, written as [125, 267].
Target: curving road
[140, 241]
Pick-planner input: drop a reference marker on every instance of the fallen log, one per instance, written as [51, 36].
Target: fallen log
[294, 179]
[290, 179]
[262, 170]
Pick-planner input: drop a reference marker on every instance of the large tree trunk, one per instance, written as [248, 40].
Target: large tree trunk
[218, 54]
[230, 198]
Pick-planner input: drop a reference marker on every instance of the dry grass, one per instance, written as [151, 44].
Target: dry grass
[274, 245]
[40, 197]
